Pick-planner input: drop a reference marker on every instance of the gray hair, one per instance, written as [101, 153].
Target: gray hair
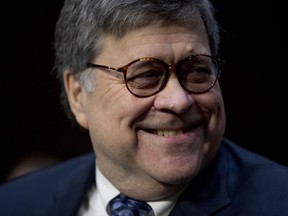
[83, 24]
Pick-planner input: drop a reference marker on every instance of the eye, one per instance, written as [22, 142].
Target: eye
[198, 70]
[196, 74]
[145, 74]
[147, 79]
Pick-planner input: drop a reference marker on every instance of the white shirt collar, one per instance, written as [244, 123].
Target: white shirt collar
[104, 191]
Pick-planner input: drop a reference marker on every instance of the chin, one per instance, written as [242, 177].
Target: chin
[178, 176]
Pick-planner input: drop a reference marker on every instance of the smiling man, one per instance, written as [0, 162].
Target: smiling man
[143, 78]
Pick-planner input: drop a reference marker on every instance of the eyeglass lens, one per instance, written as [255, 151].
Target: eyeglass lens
[147, 76]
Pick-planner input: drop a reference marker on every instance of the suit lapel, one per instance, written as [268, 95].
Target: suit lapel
[71, 191]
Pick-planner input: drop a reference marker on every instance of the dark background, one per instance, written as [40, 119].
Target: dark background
[254, 46]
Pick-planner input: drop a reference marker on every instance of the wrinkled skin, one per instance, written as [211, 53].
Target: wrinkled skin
[124, 129]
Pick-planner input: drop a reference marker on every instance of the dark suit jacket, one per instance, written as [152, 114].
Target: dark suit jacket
[237, 182]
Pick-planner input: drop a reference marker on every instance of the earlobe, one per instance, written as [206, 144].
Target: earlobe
[76, 97]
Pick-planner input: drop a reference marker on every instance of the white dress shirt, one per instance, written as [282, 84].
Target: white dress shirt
[100, 194]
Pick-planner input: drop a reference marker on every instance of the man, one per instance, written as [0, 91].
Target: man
[142, 78]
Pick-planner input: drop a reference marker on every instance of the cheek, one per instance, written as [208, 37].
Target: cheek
[111, 135]
[218, 108]
[112, 116]
[111, 97]
[212, 105]
[212, 102]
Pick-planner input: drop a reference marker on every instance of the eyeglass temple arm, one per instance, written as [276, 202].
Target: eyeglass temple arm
[90, 65]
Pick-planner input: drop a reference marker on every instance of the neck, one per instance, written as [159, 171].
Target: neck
[142, 187]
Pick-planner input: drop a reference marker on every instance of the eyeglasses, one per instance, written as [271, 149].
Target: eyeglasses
[147, 76]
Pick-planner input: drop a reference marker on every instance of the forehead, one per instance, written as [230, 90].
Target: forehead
[163, 42]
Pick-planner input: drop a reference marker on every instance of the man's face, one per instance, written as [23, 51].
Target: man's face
[167, 137]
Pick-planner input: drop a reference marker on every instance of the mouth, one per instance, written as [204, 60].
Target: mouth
[168, 132]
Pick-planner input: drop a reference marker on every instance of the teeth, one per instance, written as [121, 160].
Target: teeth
[168, 132]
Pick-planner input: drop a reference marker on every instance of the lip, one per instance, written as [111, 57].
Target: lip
[172, 132]
[168, 132]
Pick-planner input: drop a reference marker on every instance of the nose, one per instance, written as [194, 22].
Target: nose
[173, 97]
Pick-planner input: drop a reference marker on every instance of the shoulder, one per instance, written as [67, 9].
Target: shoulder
[241, 159]
[254, 180]
[37, 190]
[65, 168]
[242, 162]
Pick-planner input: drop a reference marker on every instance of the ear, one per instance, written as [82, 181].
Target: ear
[76, 97]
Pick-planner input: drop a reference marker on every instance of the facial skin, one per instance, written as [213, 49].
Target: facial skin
[124, 128]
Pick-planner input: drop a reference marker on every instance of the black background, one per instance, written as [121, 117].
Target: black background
[254, 46]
